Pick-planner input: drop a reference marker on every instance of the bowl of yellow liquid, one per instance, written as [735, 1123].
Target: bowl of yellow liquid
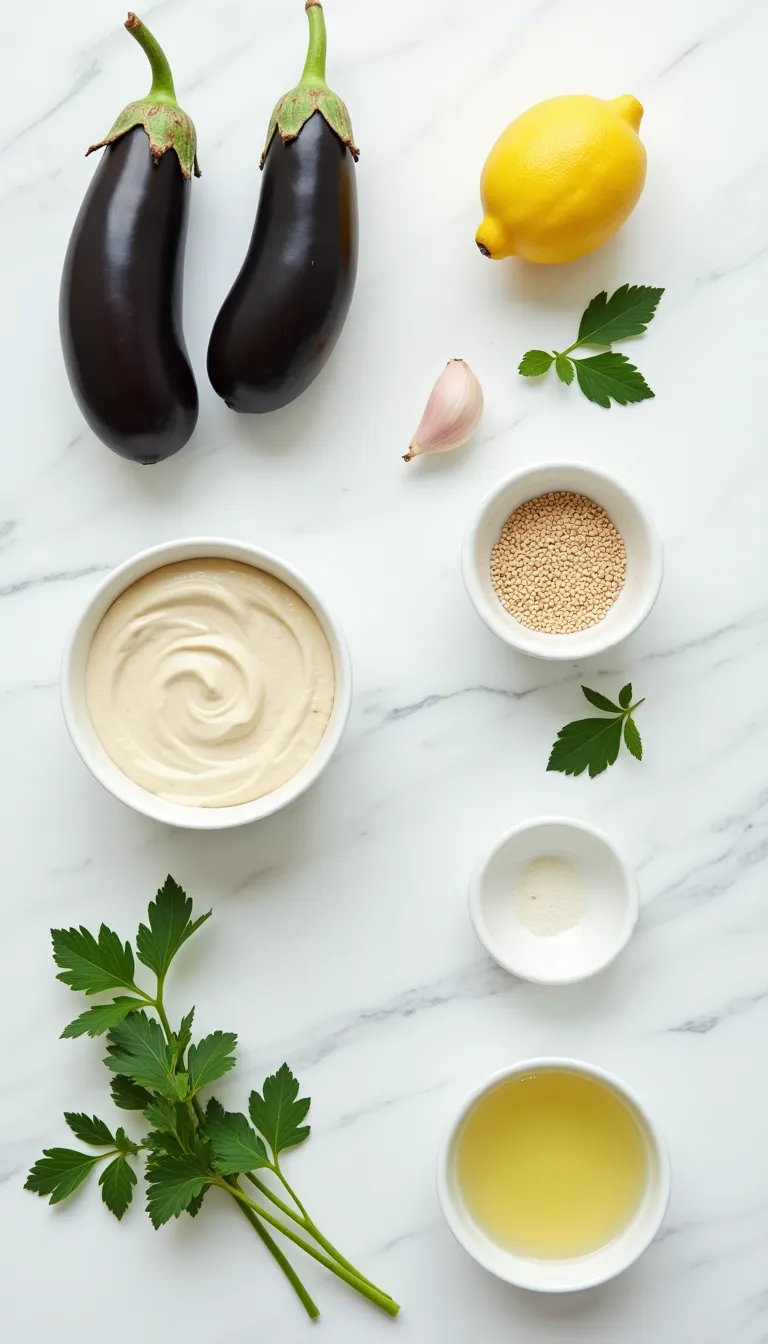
[554, 1177]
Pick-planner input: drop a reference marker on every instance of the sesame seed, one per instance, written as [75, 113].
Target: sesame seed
[559, 564]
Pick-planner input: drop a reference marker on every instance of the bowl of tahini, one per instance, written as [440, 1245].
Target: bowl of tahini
[206, 684]
[562, 561]
[553, 1176]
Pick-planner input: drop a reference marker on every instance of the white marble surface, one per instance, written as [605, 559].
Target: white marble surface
[341, 939]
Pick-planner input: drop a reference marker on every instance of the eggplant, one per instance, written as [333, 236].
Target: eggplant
[121, 289]
[285, 312]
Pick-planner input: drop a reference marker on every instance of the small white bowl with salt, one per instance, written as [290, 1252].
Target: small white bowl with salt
[554, 902]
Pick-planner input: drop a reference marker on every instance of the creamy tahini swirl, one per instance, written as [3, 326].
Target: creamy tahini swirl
[210, 682]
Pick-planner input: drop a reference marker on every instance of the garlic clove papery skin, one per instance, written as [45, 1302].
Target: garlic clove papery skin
[452, 413]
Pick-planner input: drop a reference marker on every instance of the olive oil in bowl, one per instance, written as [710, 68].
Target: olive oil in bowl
[552, 1164]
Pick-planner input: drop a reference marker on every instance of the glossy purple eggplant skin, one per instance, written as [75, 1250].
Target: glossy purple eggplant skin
[285, 312]
[120, 304]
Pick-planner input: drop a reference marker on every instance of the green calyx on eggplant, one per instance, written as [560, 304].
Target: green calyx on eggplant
[285, 312]
[121, 289]
[312, 94]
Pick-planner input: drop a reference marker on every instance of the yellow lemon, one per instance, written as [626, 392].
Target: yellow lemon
[562, 179]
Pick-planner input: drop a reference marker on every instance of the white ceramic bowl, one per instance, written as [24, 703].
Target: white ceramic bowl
[579, 952]
[84, 736]
[558, 1276]
[645, 566]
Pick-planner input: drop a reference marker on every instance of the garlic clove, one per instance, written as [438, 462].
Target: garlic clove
[452, 413]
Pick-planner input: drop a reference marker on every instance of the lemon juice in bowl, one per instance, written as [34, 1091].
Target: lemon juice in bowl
[552, 1164]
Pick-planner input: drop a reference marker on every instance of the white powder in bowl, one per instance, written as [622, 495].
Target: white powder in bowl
[550, 896]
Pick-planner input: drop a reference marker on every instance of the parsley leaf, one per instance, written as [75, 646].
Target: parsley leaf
[236, 1147]
[183, 1036]
[166, 1141]
[172, 1184]
[59, 1172]
[137, 1048]
[173, 1131]
[534, 363]
[123, 1143]
[277, 1114]
[96, 1021]
[196, 1203]
[90, 1130]
[90, 965]
[599, 701]
[626, 313]
[163, 1114]
[591, 744]
[214, 1111]
[128, 1095]
[170, 925]
[594, 744]
[117, 1182]
[564, 369]
[611, 376]
[632, 739]
[210, 1059]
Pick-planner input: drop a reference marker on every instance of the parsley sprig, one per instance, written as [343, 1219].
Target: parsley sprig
[609, 375]
[158, 1073]
[594, 744]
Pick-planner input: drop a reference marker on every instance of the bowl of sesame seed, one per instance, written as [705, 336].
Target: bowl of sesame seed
[562, 561]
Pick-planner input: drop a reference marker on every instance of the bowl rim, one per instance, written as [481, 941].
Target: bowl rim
[631, 888]
[514, 1270]
[144, 802]
[498, 626]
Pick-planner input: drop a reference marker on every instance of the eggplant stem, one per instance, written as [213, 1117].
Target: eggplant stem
[314, 66]
[163, 89]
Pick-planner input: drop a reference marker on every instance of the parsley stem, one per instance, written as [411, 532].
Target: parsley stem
[310, 1307]
[251, 1210]
[160, 1007]
[318, 1236]
[145, 998]
[275, 1199]
[361, 1286]
[292, 1193]
[303, 1220]
[340, 1259]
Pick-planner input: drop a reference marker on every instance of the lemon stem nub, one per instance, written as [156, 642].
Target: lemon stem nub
[629, 109]
[492, 240]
